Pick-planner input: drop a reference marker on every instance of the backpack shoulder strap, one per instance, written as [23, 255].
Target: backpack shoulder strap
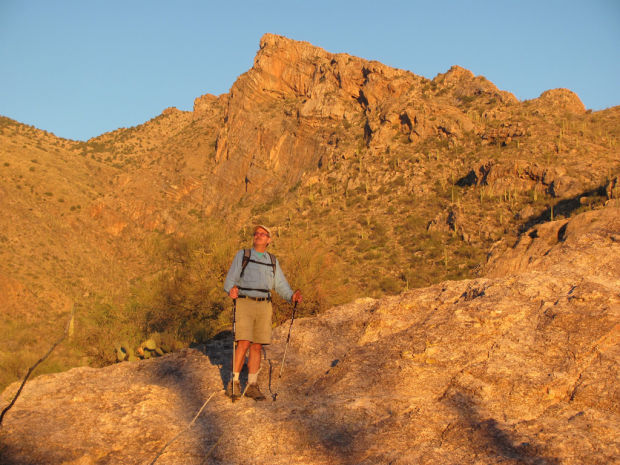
[246, 260]
[272, 257]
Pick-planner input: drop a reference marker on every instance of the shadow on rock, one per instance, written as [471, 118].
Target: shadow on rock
[566, 207]
[219, 351]
[335, 434]
[8, 458]
[183, 377]
[485, 436]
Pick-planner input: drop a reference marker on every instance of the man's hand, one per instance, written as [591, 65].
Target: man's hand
[234, 292]
[296, 296]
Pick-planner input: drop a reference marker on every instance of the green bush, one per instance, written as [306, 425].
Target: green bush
[187, 300]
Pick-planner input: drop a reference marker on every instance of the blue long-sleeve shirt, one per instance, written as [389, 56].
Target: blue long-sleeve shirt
[257, 276]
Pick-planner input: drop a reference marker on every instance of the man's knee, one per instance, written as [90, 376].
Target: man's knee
[255, 347]
[243, 344]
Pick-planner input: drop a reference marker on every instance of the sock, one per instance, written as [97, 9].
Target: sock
[235, 376]
[252, 378]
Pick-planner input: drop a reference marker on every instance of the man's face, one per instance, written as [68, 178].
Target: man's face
[261, 238]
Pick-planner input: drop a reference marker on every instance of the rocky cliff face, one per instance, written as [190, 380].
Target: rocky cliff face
[300, 107]
[518, 367]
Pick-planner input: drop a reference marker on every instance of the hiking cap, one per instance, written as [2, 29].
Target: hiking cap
[262, 226]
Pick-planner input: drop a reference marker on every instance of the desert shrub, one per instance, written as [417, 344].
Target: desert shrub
[415, 222]
[372, 255]
[391, 285]
[398, 181]
[14, 365]
[184, 302]
[187, 299]
[378, 228]
[363, 245]
[310, 266]
[353, 200]
[102, 325]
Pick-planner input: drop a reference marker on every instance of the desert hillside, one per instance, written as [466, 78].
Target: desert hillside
[517, 367]
[377, 181]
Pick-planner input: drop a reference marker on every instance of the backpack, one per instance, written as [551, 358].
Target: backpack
[247, 259]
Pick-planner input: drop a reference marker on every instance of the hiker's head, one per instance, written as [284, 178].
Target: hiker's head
[262, 236]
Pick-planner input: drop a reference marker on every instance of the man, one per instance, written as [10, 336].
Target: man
[251, 286]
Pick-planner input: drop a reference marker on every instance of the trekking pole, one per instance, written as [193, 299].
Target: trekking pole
[288, 338]
[234, 347]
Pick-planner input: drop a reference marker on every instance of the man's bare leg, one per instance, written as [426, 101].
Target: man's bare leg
[234, 389]
[254, 362]
[253, 366]
[242, 348]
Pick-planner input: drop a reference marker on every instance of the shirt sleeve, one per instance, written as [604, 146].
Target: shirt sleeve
[281, 284]
[233, 272]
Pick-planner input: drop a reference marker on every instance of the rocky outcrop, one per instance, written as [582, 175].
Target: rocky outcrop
[500, 176]
[519, 367]
[300, 107]
[464, 85]
[560, 100]
[571, 245]
[204, 104]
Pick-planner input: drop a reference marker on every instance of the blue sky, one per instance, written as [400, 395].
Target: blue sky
[81, 68]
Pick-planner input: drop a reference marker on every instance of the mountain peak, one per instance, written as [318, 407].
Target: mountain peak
[562, 100]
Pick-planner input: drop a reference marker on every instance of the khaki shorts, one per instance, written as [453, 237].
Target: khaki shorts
[253, 321]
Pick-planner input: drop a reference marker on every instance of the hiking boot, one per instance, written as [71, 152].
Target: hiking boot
[233, 390]
[253, 392]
